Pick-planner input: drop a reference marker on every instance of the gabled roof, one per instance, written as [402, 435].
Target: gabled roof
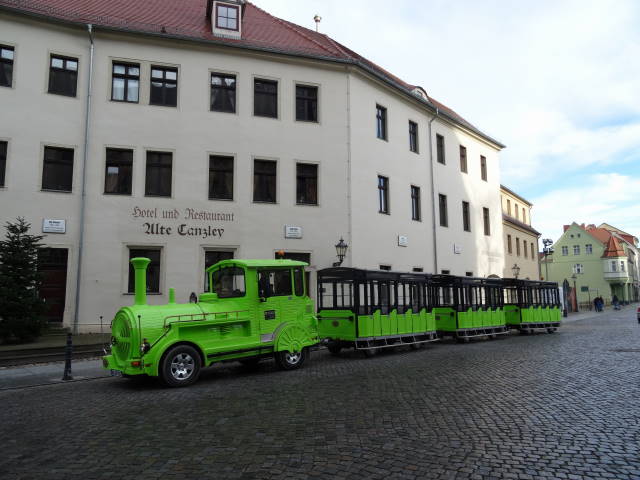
[519, 224]
[613, 248]
[187, 20]
[511, 192]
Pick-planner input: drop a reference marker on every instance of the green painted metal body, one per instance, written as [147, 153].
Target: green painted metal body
[450, 321]
[220, 329]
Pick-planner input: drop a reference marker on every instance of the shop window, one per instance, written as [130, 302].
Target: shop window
[153, 270]
[63, 75]
[117, 178]
[57, 169]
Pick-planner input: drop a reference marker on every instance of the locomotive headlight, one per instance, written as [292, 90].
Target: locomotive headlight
[144, 347]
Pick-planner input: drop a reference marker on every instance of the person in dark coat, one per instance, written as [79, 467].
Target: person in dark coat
[616, 302]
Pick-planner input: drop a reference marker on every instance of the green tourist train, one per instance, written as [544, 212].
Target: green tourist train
[260, 308]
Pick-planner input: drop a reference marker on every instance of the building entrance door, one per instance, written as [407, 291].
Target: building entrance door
[52, 265]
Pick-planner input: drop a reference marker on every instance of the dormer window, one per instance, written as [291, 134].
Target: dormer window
[227, 17]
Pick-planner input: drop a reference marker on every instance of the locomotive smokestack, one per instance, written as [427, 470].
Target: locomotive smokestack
[140, 265]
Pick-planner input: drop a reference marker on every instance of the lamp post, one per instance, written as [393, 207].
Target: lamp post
[546, 251]
[574, 277]
[341, 251]
[515, 270]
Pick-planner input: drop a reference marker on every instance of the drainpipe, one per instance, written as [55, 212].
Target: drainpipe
[433, 197]
[85, 156]
[349, 194]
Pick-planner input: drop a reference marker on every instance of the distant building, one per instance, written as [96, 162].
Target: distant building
[520, 238]
[598, 261]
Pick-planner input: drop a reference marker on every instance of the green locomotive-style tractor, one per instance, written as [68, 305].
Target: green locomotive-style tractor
[253, 309]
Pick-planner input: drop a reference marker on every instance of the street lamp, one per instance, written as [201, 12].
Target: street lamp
[341, 251]
[574, 277]
[516, 270]
[546, 251]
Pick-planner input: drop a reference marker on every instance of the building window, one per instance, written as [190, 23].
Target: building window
[415, 204]
[118, 167]
[524, 248]
[264, 181]
[442, 203]
[578, 268]
[468, 274]
[63, 75]
[440, 149]
[565, 251]
[483, 168]
[509, 249]
[211, 257]
[220, 178]
[223, 93]
[463, 159]
[588, 249]
[486, 221]
[508, 207]
[524, 216]
[164, 86]
[413, 136]
[517, 246]
[306, 103]
[383, 194]
[445, 272]
[306, 184]
[466, 217]
[381, 122]
[532, 252]
[622, 265]
[227, 17]
[576, 249]
[417, 269]
[386, 268]
[6, 66]
[125, 85]
[265, 98]
[158, 179]
[3, 162]
[57, 169]
[153, 270]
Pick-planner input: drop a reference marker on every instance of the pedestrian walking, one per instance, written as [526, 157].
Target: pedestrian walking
[615, 302]
[596, 304]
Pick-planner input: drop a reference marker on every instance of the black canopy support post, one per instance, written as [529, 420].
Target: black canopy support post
[68, 352]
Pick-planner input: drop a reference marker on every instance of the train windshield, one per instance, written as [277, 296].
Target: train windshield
[229, 282]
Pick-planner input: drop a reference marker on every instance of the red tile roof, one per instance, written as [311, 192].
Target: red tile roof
[613, 248]
[187, 19]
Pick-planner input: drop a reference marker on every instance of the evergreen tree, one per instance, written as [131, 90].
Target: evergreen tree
[20, 307]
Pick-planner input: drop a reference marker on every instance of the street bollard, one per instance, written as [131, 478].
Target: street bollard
[67, 359]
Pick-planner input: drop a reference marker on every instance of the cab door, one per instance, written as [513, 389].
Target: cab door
[275, 292]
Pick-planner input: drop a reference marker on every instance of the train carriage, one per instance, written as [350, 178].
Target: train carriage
[368, 310]
[467, 307]
[531, 305]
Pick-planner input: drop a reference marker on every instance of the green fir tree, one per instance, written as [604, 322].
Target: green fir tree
[20, 306]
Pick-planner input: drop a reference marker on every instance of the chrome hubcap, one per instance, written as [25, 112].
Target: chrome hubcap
[293, 358]
[182, 366]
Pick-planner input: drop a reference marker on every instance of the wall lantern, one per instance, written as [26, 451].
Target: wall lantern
[516, 270]
[341, 251]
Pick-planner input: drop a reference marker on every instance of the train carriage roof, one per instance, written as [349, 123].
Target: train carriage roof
[258, 263]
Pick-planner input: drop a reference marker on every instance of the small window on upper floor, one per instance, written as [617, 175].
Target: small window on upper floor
[576, 249]
[125, 83]
[223, 93]
[413, 136]
[6, 66]
[565, 251]
[440, 149]
[483, 168]
[164, 86]
[463, 159]
[306, 103]
[588, 249]
[381, 122]
[63, 75]
[3, 162]
[265, 98]
[227, 17]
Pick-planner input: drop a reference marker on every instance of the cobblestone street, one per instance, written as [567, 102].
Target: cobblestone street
[544, 406]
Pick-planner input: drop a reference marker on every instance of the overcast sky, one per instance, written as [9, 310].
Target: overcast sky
[558, 82]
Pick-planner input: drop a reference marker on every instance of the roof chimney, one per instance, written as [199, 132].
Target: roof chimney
[317, 19]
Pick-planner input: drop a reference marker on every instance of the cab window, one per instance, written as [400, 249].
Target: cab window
[274, 283]
[229, 282]
[298, 277]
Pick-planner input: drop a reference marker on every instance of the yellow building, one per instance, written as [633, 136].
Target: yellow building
[520, 238]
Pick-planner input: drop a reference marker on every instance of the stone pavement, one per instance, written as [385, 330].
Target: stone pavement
[521, 407]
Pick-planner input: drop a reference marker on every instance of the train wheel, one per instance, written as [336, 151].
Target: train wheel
[180, 366]
[334, 348]
[291, 361]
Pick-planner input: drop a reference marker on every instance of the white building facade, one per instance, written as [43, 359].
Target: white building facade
[193, 144]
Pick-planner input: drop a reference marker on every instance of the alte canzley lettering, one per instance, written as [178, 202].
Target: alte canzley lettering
[183, 230]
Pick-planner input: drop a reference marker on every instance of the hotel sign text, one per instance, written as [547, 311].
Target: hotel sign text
[153, 227]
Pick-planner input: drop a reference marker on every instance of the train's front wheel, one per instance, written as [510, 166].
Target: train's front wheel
[291, 360]
[180, 366]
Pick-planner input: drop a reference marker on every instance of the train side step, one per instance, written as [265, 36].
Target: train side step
[368, 343]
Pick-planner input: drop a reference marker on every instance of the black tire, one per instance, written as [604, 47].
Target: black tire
[290, 361]
[334, 348]
[180, 366]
